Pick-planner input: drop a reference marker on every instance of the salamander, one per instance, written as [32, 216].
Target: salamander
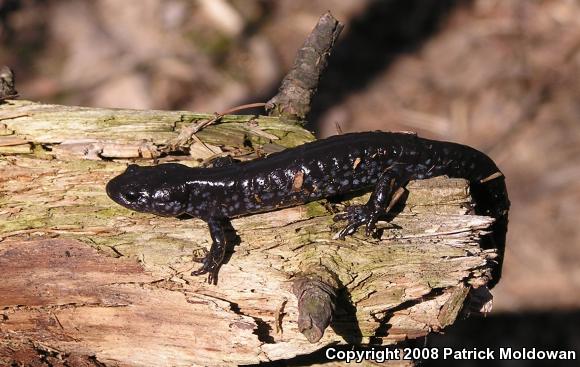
[379, 161]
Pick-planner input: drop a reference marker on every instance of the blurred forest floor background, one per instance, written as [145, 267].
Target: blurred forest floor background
[500, 75]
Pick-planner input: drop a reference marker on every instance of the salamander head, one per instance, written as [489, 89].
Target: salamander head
[158, 189]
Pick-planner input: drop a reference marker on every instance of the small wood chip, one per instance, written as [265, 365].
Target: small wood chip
[298, 181]
[491, 177]
[279, 315]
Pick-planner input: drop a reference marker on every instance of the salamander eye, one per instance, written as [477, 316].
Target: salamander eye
[132, 168]
[130, 196]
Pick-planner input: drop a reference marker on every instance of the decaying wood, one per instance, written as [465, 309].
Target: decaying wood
[66, 132]
[87, 281]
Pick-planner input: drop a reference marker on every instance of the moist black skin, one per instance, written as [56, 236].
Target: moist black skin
[381, 161]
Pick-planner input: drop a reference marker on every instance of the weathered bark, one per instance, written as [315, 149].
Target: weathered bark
[86, 281]
[7, 90]
[300, 84]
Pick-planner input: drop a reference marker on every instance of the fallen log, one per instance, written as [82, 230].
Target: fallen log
[87, 281]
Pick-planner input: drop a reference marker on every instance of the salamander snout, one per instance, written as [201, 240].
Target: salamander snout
[128, 193]
[149, 190]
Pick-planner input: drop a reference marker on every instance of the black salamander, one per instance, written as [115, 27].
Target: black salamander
[381, 161]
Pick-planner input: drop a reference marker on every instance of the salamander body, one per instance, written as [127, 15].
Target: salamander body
[379, 161]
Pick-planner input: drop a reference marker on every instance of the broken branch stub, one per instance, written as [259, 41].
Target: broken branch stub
[316, 293]
[300, 84]
[7, 89]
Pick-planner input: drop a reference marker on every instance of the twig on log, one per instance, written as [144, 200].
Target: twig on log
[298, 87]
[188, 132]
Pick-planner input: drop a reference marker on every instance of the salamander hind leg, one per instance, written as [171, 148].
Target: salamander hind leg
[214, 258]
[356, 216]
[387, 192]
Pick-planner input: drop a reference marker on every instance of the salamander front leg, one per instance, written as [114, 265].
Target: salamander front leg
[388, 191]
[214, 258]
